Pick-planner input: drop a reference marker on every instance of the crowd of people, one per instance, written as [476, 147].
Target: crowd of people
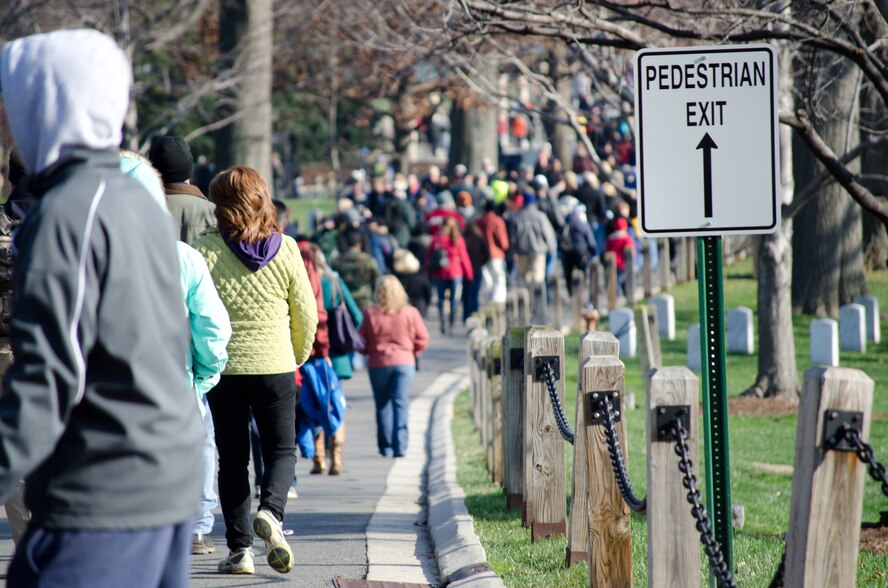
[114, 408]
[461, 240]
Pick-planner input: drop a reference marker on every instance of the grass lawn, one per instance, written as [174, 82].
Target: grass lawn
[761, 451]
[300, 208]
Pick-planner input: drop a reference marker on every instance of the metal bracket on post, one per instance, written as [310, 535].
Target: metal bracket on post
[664, 416]
[835, 422]
[539, 367]
[595, 407]
[516, 359]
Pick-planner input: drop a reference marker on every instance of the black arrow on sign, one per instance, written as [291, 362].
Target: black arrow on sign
[707, 145]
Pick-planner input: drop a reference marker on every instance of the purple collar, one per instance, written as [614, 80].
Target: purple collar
[255, 255]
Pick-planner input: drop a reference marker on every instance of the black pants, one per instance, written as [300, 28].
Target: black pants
[273, 400]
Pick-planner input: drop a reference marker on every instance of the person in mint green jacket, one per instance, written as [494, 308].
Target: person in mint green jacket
[210, 331]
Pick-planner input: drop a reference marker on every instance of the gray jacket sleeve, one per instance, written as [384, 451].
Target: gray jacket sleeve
[52, 331]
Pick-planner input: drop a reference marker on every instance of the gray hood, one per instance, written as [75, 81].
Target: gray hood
[63, 90]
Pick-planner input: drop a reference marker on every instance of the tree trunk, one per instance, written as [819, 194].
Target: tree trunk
[473, 129]
[873, 165]
[558, 133]
[828, 232]
[777, 373]
[245, 40]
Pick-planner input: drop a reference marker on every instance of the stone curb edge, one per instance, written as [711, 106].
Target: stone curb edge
[457, 547]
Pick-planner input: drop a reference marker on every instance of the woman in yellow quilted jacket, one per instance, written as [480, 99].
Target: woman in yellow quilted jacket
[262, 281]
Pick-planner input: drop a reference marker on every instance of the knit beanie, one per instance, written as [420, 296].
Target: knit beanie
[171, 156]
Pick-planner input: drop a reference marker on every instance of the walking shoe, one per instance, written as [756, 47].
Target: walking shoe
[292, 494]
[319, 465]
[202, 545]
[239, 561]
[278, 552]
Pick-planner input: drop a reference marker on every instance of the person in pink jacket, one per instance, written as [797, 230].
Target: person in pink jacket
[449, 264]
[394, 335]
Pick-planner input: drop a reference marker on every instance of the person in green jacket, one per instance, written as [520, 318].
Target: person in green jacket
[358, 270]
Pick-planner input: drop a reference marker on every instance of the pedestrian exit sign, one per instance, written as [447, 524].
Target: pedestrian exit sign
[706, 141]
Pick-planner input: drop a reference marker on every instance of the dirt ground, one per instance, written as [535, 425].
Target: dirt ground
[752, 406]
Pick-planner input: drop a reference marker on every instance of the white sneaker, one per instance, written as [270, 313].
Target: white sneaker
[239, 561]
[278, 552]
[292, 494]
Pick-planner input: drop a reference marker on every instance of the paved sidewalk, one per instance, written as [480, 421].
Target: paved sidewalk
[330, 519]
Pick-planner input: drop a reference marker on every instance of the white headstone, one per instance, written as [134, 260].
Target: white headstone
[873, 322]
[824, 342]
[852, 328]
[740, 339]
[665, 306]
[621, 323]
[694, 358]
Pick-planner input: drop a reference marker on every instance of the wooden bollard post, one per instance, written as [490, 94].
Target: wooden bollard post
[591, 344]
[681, 263]
[499, 313]
[647, 267]
[523, 306]
[630, 283]
[539, 312]
[827, 485]
[513, 416]
[511, 308]
[665, 264]
[673, 541]
[485, 403]
[610, 540]
[544, 469]
[649, 338]
[610, 263]
[691, 258]
[475, 339]
[557, 314]
[495, 424]
[578, 299]
[594, 275]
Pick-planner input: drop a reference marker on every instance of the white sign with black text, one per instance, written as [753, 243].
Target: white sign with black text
[706, 142]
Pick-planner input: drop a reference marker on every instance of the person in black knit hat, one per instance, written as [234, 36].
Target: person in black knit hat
[191, 210]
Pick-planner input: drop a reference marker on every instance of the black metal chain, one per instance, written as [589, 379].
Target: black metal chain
[618, 464]
[717, 563]
[557, 409]
[865, 452]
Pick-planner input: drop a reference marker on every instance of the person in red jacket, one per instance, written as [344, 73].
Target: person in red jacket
[617, 242]
[449, 263]
[493, 274]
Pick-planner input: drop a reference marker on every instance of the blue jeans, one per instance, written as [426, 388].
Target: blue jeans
[203, 524]
[146, 558]
[391, 393]
[443, 286]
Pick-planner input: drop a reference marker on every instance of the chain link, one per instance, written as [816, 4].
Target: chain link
[618, 464]
[865, 452]
[557, 409]
[717, 563]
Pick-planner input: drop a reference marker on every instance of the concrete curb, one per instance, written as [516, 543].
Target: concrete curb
[462, 561]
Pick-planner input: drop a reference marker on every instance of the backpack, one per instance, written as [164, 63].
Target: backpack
[439, 259]
[565, 241]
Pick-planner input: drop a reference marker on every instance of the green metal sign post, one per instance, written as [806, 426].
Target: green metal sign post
[715, 404]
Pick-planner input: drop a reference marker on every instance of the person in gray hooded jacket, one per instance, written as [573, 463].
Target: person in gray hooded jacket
[93, 413]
